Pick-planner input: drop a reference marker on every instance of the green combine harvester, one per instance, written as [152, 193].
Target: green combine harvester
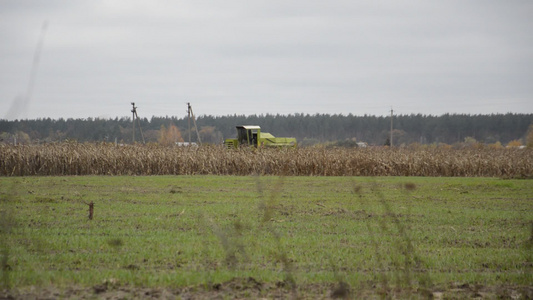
[251, 135]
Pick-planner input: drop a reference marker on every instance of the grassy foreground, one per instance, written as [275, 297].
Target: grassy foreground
[267, 236]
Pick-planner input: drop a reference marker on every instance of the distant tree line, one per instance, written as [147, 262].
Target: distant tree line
[307, 129]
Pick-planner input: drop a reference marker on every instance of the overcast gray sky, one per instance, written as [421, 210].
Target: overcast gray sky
[258, 57]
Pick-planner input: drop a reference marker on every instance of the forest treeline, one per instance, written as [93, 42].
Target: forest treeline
[307, 129]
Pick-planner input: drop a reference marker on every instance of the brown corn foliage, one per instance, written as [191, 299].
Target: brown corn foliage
[72, 158]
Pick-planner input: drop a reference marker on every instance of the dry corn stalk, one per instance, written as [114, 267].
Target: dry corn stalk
[72, 158]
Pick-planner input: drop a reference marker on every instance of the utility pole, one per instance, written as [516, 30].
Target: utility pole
[136, 116]
[133, 110]
[189, 121]
[191, 114]
[391, 117]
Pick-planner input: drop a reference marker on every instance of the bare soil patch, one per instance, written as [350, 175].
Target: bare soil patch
[250, 288]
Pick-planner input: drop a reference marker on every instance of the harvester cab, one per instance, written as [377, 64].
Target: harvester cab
[247, 135]
[251, 135]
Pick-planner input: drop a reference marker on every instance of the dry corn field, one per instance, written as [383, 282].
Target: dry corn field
[108, 159]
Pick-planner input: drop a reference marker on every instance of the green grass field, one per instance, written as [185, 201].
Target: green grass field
[229, 236]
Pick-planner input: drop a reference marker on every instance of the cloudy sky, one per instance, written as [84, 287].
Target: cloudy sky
[92, 58]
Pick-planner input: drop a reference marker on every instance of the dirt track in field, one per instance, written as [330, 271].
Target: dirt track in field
[251, 289]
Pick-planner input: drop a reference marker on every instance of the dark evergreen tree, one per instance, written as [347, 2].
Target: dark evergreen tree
[425, 129]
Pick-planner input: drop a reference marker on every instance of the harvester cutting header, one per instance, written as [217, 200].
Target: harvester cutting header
[251, 135]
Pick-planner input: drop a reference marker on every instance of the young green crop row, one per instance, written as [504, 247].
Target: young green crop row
[236, 237]
[109, 159]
